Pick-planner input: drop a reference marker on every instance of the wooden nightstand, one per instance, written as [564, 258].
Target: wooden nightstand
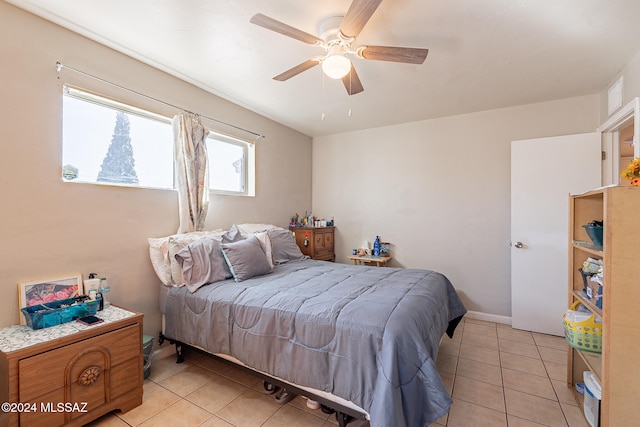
[319, 242]
[380, 261]
[71, 374]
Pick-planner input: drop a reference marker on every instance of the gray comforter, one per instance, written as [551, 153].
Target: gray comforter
[367, 334]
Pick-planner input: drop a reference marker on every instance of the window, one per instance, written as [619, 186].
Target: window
[104, 141]
[230, 164]
[108, 142]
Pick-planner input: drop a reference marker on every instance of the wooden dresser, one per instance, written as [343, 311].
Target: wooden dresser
[71, 374]
[319, 242]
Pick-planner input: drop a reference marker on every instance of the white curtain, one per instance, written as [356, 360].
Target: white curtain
[192, 171]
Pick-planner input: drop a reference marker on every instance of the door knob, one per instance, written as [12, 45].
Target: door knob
[519, 245]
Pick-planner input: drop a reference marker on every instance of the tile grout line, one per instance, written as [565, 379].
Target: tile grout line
[552, 387]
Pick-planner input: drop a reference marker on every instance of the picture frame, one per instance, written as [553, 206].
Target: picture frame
[48, 290]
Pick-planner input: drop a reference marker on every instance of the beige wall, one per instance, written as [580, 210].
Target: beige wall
[49, 228]
[439, 190]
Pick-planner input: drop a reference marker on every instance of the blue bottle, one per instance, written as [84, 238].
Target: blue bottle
[376, 246]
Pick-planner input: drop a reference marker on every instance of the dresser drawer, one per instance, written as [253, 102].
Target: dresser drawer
[323, 244]
[84, 369]
[328, 240]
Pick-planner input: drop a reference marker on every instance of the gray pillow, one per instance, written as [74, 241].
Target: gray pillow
[202, 262]
[246, 259]
[283, 246]
[233, 235]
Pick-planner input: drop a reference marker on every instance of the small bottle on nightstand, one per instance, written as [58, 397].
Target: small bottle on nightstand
[376, 246]
[104, 290]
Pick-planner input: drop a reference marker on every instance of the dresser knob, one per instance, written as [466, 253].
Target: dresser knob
[89, 376]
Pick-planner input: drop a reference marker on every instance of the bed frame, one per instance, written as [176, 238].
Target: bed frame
[343, 414]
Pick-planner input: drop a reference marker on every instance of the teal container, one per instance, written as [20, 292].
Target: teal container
[54, 313]
[595, 233]
[147, 351]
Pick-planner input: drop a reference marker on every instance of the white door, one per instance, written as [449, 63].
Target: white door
[544, 172]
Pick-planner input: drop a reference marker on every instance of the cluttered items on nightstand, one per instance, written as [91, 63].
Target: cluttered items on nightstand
[55, 313]
[98, 289]
[379, 254]
[51, 302]
[379, 248]
[310, 220]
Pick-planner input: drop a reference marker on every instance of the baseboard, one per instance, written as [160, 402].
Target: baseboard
[488, 317]
[165, 351]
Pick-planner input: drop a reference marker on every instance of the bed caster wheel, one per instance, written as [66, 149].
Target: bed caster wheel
[343, 419]
[269, 388]
[284, 396]
[327, 410]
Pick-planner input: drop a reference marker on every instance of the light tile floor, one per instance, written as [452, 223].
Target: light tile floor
[497, 376]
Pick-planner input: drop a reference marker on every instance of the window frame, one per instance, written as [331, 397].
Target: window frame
[110, 103]
[247, 166]
[248, 147]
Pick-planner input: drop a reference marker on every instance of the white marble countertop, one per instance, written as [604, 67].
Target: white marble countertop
[17, 337]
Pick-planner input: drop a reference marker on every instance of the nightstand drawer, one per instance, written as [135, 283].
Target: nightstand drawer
[84, 366]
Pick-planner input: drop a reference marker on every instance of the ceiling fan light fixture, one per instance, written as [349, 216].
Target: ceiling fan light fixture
[336, 66]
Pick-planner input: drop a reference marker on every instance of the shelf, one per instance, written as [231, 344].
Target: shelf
[588, 247]
[583, 299]
[593, 362]
[616, 368]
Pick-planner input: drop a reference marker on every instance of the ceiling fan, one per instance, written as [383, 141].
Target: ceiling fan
[337, 34]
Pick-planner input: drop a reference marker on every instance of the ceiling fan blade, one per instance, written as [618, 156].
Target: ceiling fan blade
[287, 30]
[357, 16]
[410, 55]
[352, 82]
[297, 70]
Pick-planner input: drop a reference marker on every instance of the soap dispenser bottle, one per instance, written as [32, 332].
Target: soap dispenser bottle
[92, 284]
[376, 246]
[104, 291]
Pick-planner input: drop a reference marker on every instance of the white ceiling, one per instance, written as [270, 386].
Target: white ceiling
[483, 54]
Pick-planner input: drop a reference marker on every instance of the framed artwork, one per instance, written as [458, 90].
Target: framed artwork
[48, 290]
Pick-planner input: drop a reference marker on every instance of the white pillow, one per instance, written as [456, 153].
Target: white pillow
[249, 229]
[159, 255]
[265, 244]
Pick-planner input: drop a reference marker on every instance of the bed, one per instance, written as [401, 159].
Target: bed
[360, 335]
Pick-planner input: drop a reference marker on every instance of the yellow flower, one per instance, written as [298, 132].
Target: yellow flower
[632, 170]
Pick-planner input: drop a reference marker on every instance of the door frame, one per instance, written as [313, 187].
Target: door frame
[610, 131]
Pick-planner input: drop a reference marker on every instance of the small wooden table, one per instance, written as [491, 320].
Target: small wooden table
[380, 261]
